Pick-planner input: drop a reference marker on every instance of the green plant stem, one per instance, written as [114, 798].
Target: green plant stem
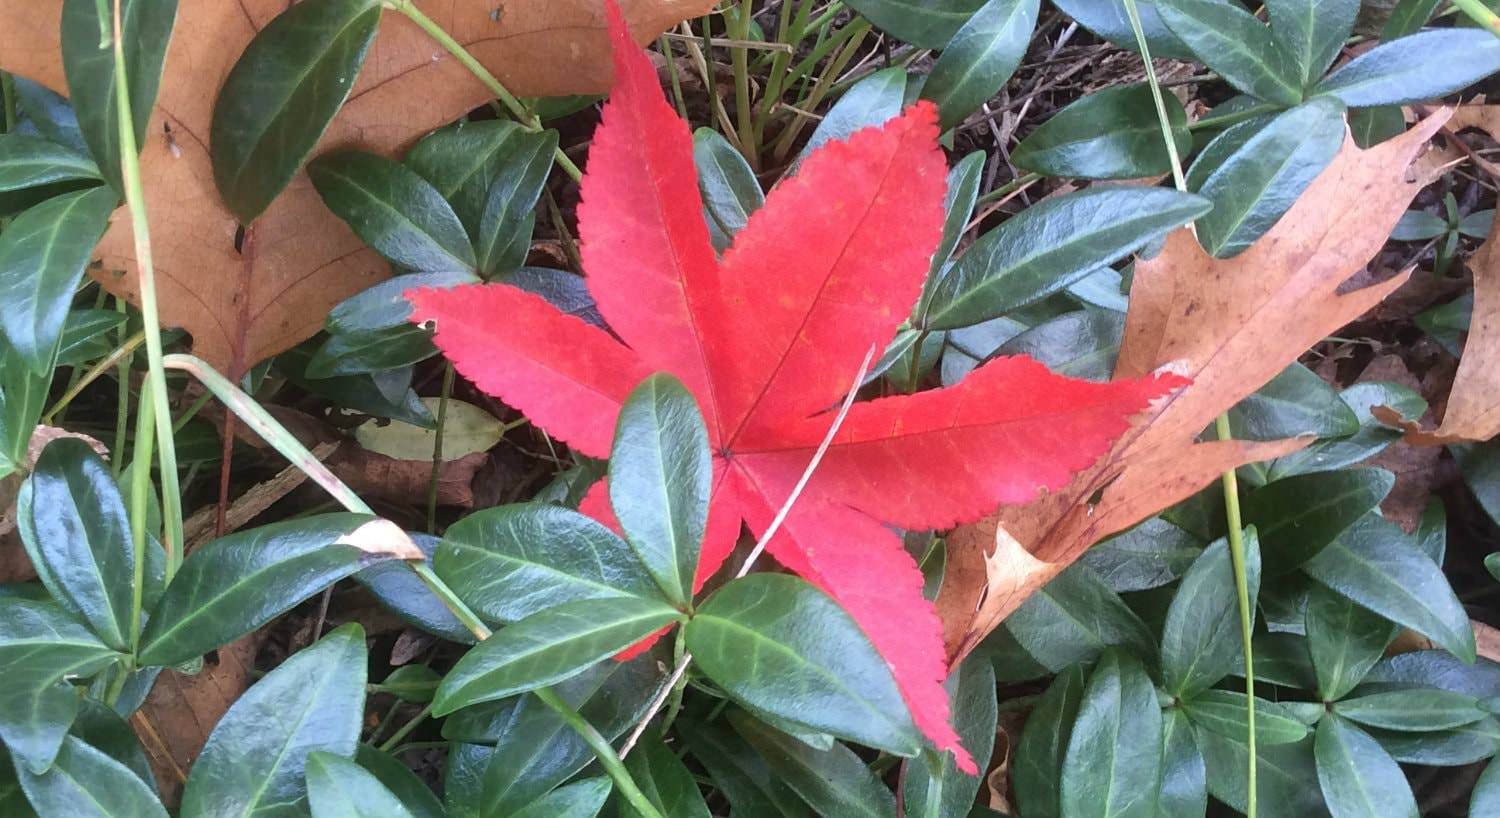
[1008, 188]
[1233, 117]
[1479, 13]
[1156, 96]
[405, 730]
[934, 805]
[740, 58]
[528, 119]
[135, 201]
[120, 355]
[139, 499]
[437, 447]
[676, 80]
[602, 750]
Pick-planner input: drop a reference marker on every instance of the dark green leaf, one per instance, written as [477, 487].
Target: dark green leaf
[1082, 344]
[510, 562]
[581, 799]
[463, 160]
[1375, 564]
[1371, 126]
[744, 778]
[84, 782]
[728, 185]
[1415, 68]
[1184, 785]
[1253, 173]
[1112, 768]
[1236, 46]
[43, 253]
[1419, 225]
[834, 782]
[548, 647]
[282, 93]
[1286, 779]
[1412, 710]
[254, 762]
[660, 476]
[1201, 642]
[33, 169]
[1359, 778]
[972, 690]
[1148, 556]
[43, 112]
[384, 305]
[1075, 617]
[1434, 668]
[386, 394]
[85, 336]
[1371, 437]
[415, 795]
[408, 596]
[958, 205]
[1295, 402]
[870, 102]
[1345, 641]
[666, 782]
[785, 648]
[1311, 32]
[1408, 17]
[1486, 797]
[924, 23]
[1443, 748]
[1109, 20]
[1283, 659]
[1050, 245]
[1109, 134]
[1223, 712]
[146, 27]
[339, 788]
[505, 226]
[980, 58]
[411, 683]
[1300, 516]
[462, 779]
[235, 584]
[363, 353]
[107, 731]
[395, 211]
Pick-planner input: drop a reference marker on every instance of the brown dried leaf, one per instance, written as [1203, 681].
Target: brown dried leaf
[299, 260]
[1231, 325]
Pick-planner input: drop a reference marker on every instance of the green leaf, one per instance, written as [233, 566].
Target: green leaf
[1148, 556]
[505, 226]
[1050, 245]
[23, 396]
[386, 394]
[665, 780]
[1311, 32]
[79, 534]
[86, 336]
[1412, 710]
[365, 352]
[337, 787]
[463, 161]
[1184, 782]
[1344, 639]
[107, 731]
[660, 477]
[1300, 516]
[146, 28]
[1442, 748]
[43, 253]
[1253, 173]
[1038, 765]
[834, 782]
[282, 93]
[49, 113]
[84, 782]
[980, 58]
[785, 648]
[1223, 712]
[395, 211]
[1109, 134]
[400, 780]
[1408, 17]
[1082, 344]
[1296, 402]
[384, 305]
[1109, 20]
[923, 23]
[581, 799]
[870, 102]
[408, 596]
[1486, 797]
[1370, 439]
[1200, 641]
[548, 647]
[1236, 46]
[40, 645]
[1359, 778]
[33, 169]
[1371, 126]
[1375, 564]
[411, 683]
[728, 185]
[235, 584]
[975, 711]
[1286, 779]
[1112, 767]
[958, 205]
[1074, 618]
[510, 562]
[744, 778]
[1415, 68]
[254, 763]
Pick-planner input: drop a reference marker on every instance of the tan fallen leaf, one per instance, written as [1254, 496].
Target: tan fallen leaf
[1231, 325]
[298, 260]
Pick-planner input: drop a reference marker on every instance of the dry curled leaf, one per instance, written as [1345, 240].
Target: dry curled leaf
[1230, 325]
[298, 260]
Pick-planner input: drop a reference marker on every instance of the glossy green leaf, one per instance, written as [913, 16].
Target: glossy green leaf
[1344, 639]
[1359, 778]
[1184, 783]
[86, 336]
[1415, 68]
[395, 211]
[505, 227]
[744, 778]
[1408, 17]
[384, 305]
[1371, 126]
[48, 113]
[282, 93]
[1236, 46]
[1112, 767]
[33, 169]
[785, 648]
[107, 731]
[1300, 516]
[1223, 712]
[146, 28]
[254, 763]
[23, 395]
[958, 205]
[408, 596]
[510, 562]
[40, 645]
[728, 185]
[971, 688]
[1311, 32]
[235, 584]
[1200, 641]
[548, 647]
[581, 799]
[465, 160]
[980, 58]
[1296, 402]
[386, 394]
[660, 477]
[346, 354]
[411, 683]
[870, 102]
[1286, 778]
[337, 787]
[1109, 20]
[43, 253]
[85, 782]
[1050, 245]
[665, 780]
[1148, 556]
[1442, 748]
[393, 773]
[1082, 344]
[1109, 134]
[1370, 439]
[462, 778]
[1412, 710]
[923, 23]
[78, 532]
[1485, 799]
[1075, 617]
[1375, 564]
[1283, 659]
[1253, 173]
[834, 782]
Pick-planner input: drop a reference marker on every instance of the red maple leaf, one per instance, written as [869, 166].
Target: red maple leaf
[768, 340]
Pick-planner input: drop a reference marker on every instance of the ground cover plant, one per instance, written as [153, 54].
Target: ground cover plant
[988, 409]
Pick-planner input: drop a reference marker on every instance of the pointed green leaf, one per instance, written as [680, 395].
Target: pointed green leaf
[1148, 556]
[395, 211]
[1486, 797]
[504, 234]
[339, 788]
[1112, 767]
[1412, 710]
[1038, 765]
[363, 352]
[868, 103]
[1109, 134]
[1311, 32]
[1408, 17]
[665, 780]
[1442, 748]
[107, 731]
[581, 799]
[1201, 641]
[1359, 778]
[1223, 712]
[1296, 402]
[728, 185]
[925, 23]
[975, 711]
[1370, 439]
[1236, 46]
[1075, 617]
[1300, 516]
[1184, 782]
[384, 305]
[834, 782]
[1110, 20]
[84, 782]
[464, 159]
[1415, 68]
[393, 773]
[980, 58]
[1344, 639]
[1286, 779]
[744, 778]
[33, 169]
[958, 205]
